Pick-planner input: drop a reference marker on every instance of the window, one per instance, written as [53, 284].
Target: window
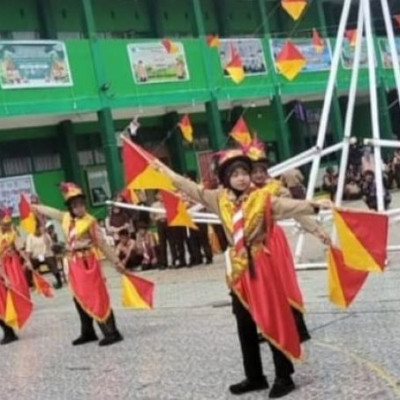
[15, 158]
[45, 155]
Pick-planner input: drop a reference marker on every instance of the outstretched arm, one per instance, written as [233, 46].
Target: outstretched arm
[209, 198]
[50, 212]
[283, 208]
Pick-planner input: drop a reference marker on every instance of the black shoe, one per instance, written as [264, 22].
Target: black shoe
[108, 340]
[208, 262]
[9, 339]
[83, 339]
[57, 285]
[249, 386]
[281, 387]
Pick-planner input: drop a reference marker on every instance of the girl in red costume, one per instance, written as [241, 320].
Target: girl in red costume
[278, 243]
[84, 237]
[259, 296]
[13, 280]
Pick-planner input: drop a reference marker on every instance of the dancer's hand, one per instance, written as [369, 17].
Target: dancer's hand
[324, 204]
[323, 237]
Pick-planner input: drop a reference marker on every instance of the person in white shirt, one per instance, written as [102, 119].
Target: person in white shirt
[38, 248]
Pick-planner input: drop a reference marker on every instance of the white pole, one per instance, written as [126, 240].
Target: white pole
[383, 143]
[350, 109]
[374, 104]
[329, 96]
[325, 110]
[279, 170]
[300, 156]
[392, 43]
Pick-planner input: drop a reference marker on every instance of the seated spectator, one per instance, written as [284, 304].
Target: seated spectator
[119, 220]
[145, 246]
[329, 182]
[126, 251]
[293, 180]
[38, 249]
[370, 192]
[56, 247]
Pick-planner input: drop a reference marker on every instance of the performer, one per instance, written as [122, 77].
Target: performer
[259, 298]
[12, 271]
[278, 241]
[84, 236]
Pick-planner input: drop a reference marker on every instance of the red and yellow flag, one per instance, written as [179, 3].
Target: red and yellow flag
[170, 46]
[28, 219]
[139, 174]
[351, 35]
[363, 239]
[344, 283]
[186, 128]
[130, 196]
[235, 66]
[318, 42]
[18, 309]
[176, 211]
[42, 286]
[137, 292]
[290, 61]
[294, 8]
[213, 40]
[241, 133]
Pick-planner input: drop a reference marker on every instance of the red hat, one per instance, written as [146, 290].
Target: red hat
[70, 190]
[5, 215]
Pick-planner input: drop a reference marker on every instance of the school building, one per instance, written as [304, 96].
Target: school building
[74, 73]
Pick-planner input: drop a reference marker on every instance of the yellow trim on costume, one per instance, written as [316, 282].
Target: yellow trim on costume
[82, 225]
[7, 239]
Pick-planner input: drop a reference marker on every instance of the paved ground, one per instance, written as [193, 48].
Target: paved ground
[187, 347]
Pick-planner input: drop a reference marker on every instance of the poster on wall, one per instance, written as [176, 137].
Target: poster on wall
[348, 54]
[251, 52]
[34, 64]
[11, 189]
[151, 63]
[386, 57]
[316, 60]
[99, 189]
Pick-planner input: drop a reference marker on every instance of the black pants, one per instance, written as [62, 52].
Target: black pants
[198, 243]
[108, 328]
[250, 346]
[163, 240]
[178, 239]
[51, 262]
[8, 331]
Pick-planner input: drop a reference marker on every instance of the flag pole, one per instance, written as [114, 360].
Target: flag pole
[374, 104]
[392, 43]
[349, 114]
[325, 111]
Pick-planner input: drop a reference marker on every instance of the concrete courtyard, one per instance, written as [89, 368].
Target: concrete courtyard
[187, 347]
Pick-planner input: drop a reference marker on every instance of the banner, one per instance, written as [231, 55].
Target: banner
[385, 52]
[34, 64]
[348, 54]
[251, 53]
[152, 63]
[99, 188]
[316, 61]
[11, 188]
